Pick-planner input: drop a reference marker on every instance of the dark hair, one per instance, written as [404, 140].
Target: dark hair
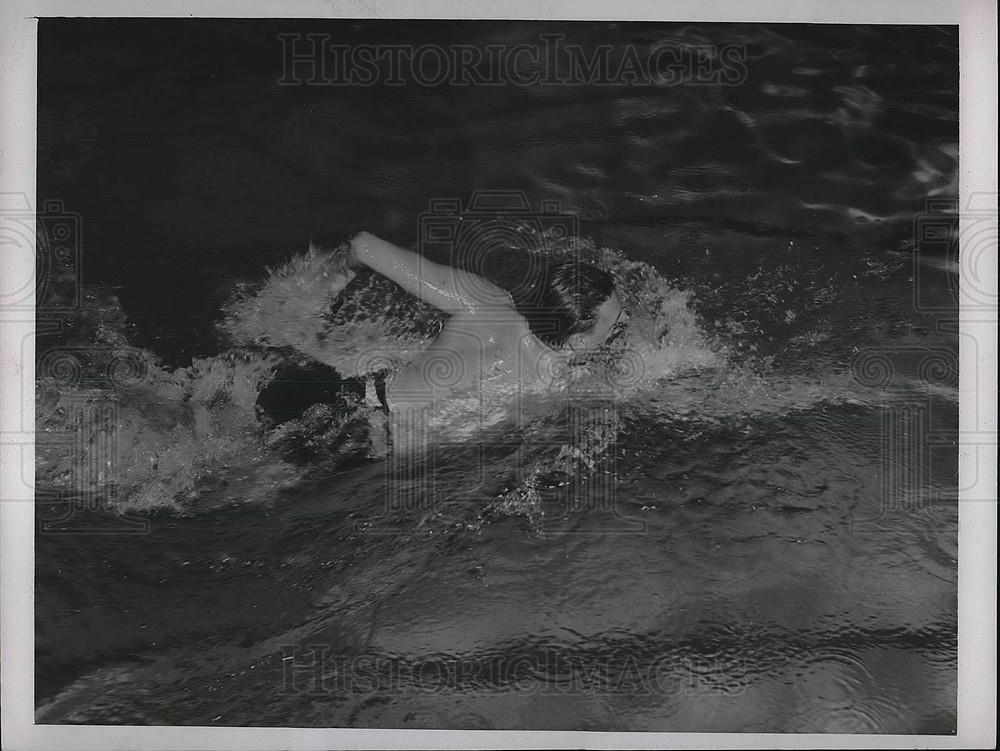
[570, 296]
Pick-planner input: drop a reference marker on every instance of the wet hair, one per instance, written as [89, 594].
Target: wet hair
[570, 295]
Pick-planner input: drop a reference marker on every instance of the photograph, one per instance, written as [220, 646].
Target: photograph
[495, 374]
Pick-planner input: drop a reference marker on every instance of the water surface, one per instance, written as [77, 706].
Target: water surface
[767, 541]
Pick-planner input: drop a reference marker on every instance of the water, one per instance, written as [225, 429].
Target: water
[752, 527]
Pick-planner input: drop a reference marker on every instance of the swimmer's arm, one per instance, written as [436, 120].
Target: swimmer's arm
[448, 289]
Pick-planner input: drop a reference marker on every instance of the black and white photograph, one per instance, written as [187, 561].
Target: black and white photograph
[501, 374]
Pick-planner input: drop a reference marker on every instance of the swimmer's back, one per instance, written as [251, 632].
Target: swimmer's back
[473, 351]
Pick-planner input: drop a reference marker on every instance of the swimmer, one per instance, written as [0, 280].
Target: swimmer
[486, 342]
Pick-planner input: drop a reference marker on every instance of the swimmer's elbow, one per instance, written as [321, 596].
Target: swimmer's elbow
[362, 238]
[493, 297]
[361, 247]
[476, 294]
[381, 256]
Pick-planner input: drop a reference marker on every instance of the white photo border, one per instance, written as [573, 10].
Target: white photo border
[977, 20]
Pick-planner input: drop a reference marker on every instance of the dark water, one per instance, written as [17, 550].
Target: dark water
[770, 543]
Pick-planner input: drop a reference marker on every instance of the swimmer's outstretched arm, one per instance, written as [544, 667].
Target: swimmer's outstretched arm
[448, 289]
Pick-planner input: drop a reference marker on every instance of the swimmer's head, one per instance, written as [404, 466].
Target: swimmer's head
[579, 306]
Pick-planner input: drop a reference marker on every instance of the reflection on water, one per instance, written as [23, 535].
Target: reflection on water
[752, 529]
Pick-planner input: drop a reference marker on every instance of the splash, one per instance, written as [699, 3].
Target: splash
[157, 440]
[365, 324]
[357, 324]
[566, 439]
[562, 467]
[148, 436]
[118, 430]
